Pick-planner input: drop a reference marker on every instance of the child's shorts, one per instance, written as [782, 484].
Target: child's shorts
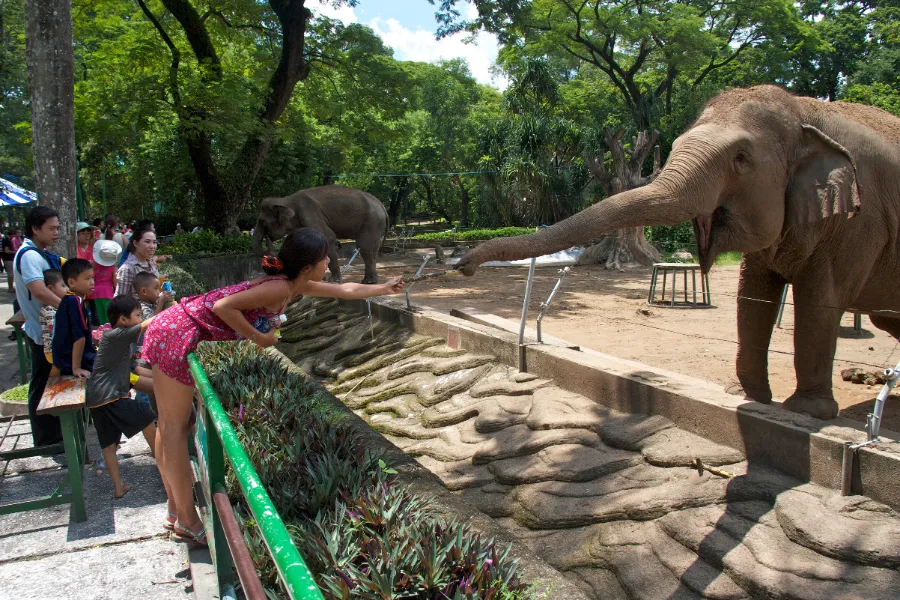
[125, 415]
[132, 378]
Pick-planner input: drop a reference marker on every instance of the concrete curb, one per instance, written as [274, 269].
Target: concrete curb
[547, 583]
[807, 448]
[8, 408]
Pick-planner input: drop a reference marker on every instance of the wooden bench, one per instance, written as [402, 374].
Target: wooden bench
[17, 321]
[63, 397]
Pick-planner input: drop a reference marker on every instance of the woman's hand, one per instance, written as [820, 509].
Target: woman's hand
[393, 286]
[81, 373]
[265, 340]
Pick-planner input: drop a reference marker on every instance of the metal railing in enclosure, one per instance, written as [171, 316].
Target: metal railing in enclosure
[216, 441]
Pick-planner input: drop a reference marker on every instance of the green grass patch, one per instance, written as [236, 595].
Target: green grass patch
[16, 394]
[473, 234]
[729, 258]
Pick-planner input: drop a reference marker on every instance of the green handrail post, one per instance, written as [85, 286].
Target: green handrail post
[295, 575]
[215, 463]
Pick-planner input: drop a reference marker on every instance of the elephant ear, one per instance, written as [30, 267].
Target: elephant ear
[824, 181]
[283, 213]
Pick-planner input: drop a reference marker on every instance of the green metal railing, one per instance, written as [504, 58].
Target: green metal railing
[216, 440]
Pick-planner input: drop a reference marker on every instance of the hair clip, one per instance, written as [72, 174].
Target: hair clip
[272, 262]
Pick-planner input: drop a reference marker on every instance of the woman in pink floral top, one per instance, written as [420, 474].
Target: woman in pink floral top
[221, 315]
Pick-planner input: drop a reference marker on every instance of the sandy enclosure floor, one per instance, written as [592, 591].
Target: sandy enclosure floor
[606, 311]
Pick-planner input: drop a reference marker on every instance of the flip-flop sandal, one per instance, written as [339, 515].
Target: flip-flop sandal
[183, 535]
[169, 521]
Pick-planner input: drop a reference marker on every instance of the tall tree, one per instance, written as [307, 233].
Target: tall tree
[647, 48]
[226, 178]
[51, 65]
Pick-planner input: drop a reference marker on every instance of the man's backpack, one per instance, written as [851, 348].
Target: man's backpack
[52, 259]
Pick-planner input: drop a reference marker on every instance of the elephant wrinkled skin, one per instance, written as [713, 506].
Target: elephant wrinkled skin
[809, 191]
[336, 212]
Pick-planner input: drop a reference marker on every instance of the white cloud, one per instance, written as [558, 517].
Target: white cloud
[344, 13]
[420, 44]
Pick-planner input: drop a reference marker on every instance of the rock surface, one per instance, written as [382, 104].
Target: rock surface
[608, 499]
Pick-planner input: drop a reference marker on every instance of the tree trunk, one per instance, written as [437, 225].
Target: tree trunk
[463, 201]
[624, 246]
[51, 82]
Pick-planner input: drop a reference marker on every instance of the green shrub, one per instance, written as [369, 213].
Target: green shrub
[206, 243]
[182, 282]
[16, 394]
[671, 238]
[362, 535]
[473, 234]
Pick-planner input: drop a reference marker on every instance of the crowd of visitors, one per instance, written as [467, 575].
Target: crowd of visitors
[145, 347]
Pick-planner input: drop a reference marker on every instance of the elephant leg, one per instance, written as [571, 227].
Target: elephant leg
[334, 265]
[815, 340]
[759, 294]
[368, 250]
[889, 324]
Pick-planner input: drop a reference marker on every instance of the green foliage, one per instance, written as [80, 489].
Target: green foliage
[182, 282]
[671, 238]
[207, 243]
[876, 94]
[363, 535]
[473, 234]
[16, 394]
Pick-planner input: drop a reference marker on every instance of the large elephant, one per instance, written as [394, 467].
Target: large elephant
[809, 191]
[337, 212]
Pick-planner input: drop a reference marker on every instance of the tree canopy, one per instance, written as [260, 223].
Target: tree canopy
[194, 110]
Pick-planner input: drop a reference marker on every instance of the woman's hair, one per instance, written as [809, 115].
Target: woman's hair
[111, 222]
[301, 248]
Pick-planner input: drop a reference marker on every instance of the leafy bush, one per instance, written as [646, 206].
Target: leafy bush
[362, 535]
[473, 234]
[182, 282]
[205, 243]
[671, 238]
[16, 394]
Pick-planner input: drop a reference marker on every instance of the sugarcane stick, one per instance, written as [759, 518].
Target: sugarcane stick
[698, 464]
[414, 279]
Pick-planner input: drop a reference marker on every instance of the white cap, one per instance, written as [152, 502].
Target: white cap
[107, 253]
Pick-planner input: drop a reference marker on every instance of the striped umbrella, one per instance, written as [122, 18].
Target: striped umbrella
[12, 194]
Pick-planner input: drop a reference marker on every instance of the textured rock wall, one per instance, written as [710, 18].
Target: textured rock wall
[609, 499]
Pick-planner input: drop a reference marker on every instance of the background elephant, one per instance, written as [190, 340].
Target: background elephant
[337, 212]
[778, 178]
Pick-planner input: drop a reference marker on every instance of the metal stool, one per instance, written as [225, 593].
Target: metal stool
[690, 294]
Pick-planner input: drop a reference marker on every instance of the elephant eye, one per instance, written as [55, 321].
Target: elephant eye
[741, 163]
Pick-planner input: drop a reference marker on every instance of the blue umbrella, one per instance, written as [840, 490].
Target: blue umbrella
[12, 194]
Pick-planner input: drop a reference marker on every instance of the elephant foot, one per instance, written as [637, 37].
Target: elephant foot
[820, 406]
[757, 394]
[370, 279]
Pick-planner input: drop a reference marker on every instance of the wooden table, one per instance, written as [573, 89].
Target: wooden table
[65, 398]
[17, 321]
[690, 291]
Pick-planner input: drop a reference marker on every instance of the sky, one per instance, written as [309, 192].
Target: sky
[408, 27]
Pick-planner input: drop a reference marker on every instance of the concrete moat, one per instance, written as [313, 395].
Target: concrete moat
[608, 499]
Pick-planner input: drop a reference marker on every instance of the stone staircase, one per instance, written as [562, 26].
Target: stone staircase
[611, 500]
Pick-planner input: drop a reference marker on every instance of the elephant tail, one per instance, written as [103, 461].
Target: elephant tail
[387, 227]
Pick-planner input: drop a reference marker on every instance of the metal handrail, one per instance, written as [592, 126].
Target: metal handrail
[295, 575]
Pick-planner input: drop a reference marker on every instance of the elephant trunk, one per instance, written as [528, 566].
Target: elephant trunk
[654, 204]
[258, 237]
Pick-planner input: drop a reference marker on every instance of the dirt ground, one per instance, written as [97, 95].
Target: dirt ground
[607, 311]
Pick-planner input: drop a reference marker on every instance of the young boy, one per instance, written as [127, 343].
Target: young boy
[146, 286]
[54, 281]
[109, 388]
[73, 346]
